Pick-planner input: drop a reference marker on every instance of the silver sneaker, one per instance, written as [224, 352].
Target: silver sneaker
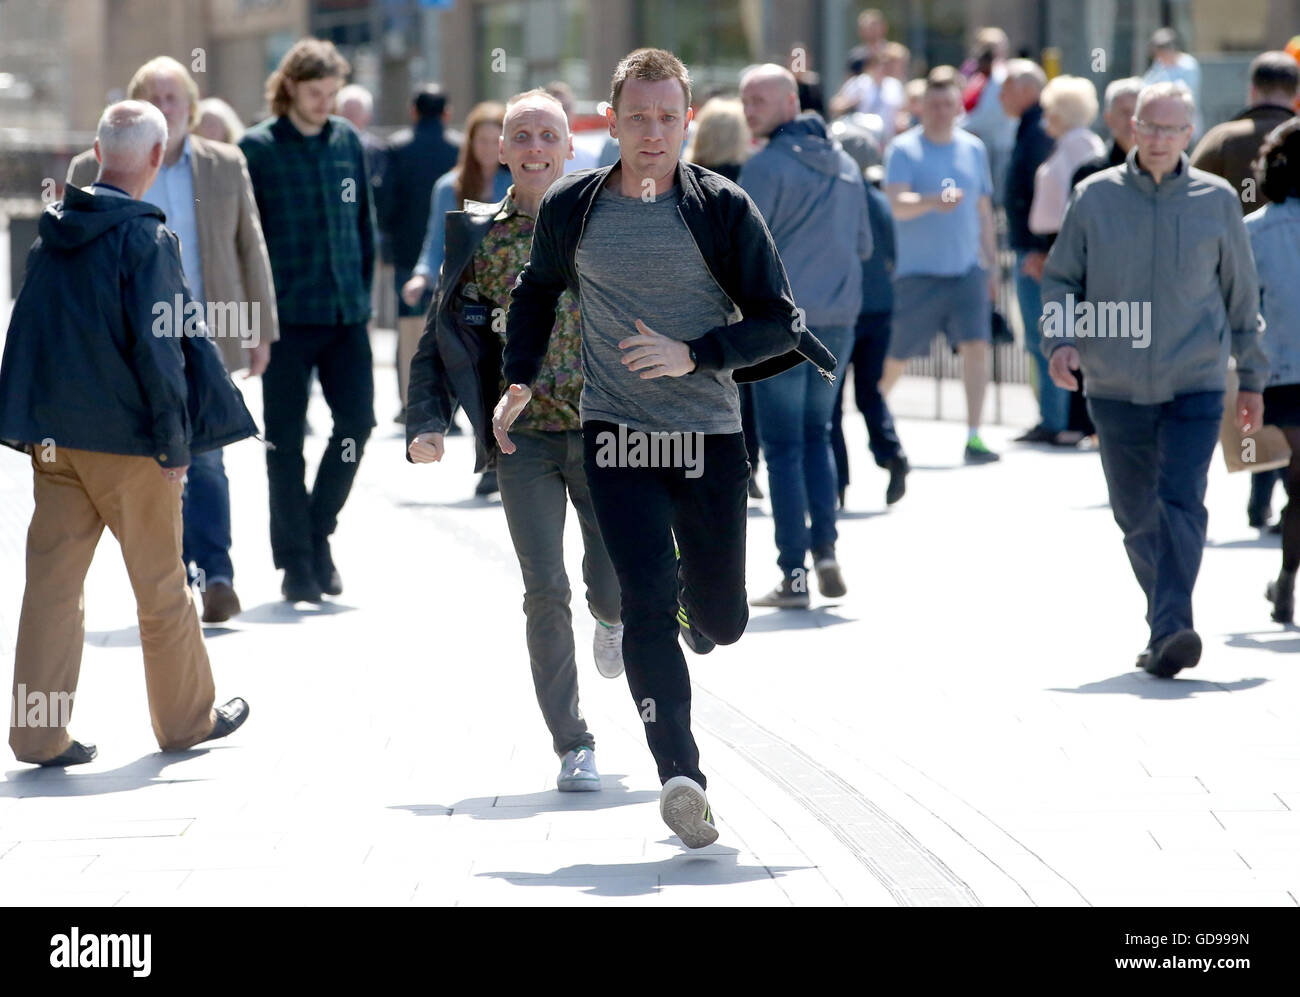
[578, 772]
[607, 646]
[685, 809]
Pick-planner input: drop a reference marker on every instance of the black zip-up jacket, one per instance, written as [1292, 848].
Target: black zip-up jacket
[459, 356]
[737, 248]
[1033, 146]
[414, 161]
[89, 361]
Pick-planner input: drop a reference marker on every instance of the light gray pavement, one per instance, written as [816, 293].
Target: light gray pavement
[964, 728]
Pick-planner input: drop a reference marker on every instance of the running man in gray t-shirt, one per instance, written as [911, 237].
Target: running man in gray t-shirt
[679, 286]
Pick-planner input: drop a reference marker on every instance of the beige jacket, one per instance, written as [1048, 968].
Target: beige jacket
[236, 267]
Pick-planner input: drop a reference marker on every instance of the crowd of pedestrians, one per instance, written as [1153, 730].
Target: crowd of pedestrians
[698, 290]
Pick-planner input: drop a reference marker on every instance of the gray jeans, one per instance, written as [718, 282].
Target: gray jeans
[535, 482]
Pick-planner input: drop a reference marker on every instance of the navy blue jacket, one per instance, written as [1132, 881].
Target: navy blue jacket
[415, 160]
[1033, 145]
[878, 268]
[93, 360]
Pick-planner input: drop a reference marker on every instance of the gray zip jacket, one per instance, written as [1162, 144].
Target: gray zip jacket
[811, 195]
[1154, 286]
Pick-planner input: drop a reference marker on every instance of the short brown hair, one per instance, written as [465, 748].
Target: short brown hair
[944, 76]
[309, 59]
[651, 65]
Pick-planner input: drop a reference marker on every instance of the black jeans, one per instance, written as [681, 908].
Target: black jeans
[870, 343]
[1155, 458]
[641, 510]
[538, 481]
[341, 355]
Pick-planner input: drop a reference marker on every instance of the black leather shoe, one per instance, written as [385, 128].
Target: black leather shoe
[230, 717]
[898, 468]
[327, 576]
[77, 754]
[1281, 594]
[1165, 659]
[300, 584]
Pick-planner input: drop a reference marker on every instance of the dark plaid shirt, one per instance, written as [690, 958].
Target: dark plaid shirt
[314, 198]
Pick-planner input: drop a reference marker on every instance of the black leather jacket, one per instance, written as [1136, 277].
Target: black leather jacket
[737, 248]
[459, 356]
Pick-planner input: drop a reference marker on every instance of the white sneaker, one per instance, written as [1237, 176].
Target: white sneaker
[608, 649]
[578, 772]
[685, 809]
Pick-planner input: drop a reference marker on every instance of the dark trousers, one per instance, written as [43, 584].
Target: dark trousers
[537, 483]
[1155, 458]
[206, 515]
[749, 425]
[340, 354]
[870, 344]
[1260, 504]
[641, 510]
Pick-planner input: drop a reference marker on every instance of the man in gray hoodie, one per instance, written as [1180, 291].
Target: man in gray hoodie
[1148, 288]
[810, 193]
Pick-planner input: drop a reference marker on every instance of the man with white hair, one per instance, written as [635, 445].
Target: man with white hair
[1020, 99]
[810, 193]
[205, 192]
[1117, 110]
[488, 245]
[1149, 287]
[357, 105]
[112, 390]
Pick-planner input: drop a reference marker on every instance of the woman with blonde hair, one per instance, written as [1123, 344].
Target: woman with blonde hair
[218, 121]
[721, 141]
[1069, 108]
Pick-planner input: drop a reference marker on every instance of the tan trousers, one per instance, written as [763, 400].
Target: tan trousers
[77, 493]
[409, 330]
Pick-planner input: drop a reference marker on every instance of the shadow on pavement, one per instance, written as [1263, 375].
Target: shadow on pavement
[474, 502]
[1249, 639]
[49, 782]
[795, 619]
[1138, 683]
[860, 513]
[1263, 540]
[712, 866]
[523, 805]
[291, 612]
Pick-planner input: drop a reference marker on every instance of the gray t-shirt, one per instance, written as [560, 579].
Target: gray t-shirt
[637, 260]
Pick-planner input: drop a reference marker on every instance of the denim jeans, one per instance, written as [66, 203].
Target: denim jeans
[1155, 458]
[206, 514]
[537, 483]
[641, 511]
[794, 425]
[870, 344]
[340, 354]
[1053, 402]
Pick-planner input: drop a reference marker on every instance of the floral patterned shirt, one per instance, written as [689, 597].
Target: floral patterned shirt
[497, 262]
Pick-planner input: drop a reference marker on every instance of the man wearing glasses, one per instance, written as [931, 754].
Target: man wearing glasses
[1148, 288]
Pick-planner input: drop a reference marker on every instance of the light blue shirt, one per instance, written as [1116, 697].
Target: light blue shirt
[443, 200]
[1275, 239]
[939, 244]
[173, 191]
